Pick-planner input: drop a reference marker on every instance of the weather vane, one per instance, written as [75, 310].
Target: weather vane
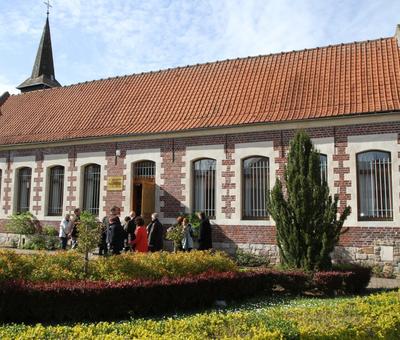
[47, 3]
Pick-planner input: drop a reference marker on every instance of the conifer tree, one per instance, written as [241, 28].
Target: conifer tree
[306, 216]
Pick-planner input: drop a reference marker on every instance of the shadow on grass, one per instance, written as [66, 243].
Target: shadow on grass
[263, 301]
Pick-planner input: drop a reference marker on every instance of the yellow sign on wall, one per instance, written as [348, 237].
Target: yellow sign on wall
[114, 183]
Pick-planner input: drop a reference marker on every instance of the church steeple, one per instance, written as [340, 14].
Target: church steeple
[43, 75]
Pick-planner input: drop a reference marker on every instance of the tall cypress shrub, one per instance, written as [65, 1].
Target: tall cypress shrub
[306, 216]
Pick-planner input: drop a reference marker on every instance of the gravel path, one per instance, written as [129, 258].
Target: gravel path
[377, 282]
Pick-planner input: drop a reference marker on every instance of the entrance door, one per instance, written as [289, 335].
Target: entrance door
[143, 193]
[137, 198]
[148, 200]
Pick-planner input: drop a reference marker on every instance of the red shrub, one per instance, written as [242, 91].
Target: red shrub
[330, 282]
[99, 300]
[92, 300]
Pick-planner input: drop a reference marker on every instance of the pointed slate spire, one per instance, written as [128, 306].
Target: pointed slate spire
[43, 75]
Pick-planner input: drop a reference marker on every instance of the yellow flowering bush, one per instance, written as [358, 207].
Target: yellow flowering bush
[69, 265]
[13, 266]
[372, 317]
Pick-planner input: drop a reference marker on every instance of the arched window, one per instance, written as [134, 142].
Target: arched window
[91, 189]
[374, 181]
[23, 189]
[144, 169]
[323, 163]
[255, 179]
[204, 186]
[56, 191]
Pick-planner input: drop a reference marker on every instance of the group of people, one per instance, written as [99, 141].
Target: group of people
[69, 229]
[133, 234]
[205, 233]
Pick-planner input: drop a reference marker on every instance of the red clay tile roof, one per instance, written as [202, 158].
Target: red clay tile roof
[332, 81]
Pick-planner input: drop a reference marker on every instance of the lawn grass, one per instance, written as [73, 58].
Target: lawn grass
[367, 317]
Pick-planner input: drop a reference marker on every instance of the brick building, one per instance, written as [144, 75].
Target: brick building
[212, 137]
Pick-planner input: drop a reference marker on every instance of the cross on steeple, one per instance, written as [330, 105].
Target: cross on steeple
[47, 3]
[43, 76]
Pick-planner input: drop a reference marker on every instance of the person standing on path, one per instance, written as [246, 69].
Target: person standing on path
[115, 211]
[187, 240]
[140, 242]
[131, 227]
[205, 239]
[73, 228]
[117, 235]
[63, 233]
[155, 233]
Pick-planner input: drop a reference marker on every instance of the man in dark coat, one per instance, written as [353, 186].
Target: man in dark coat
[73, 227]
[117, 235]
[131, 227]
[205, 237]
[103, 248]
[155, 234]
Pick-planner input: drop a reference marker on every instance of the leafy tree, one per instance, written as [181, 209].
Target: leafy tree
[89, 231]
[175, 234]
[306, 216]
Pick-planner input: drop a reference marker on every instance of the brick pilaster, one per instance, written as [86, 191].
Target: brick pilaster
[341, 171]
[72, 195]
[37, 184]
[228, 182]
[172, 175]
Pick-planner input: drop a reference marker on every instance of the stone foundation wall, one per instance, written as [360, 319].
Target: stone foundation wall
[383, 253]
[8, 240]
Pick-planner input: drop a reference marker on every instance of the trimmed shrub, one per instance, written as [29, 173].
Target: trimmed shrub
[102, 300]
[358, 281]
[89, 300]
[330, 282]
[69, 265]
[13, 266]
[294, 282]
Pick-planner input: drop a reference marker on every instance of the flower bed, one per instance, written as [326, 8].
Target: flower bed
[372, 317]
[68, 266]
[102, 300]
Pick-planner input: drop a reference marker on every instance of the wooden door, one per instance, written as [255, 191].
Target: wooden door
[137, 197]
[148, 200]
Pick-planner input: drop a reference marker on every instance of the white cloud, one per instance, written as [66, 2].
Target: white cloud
[5, 85]
[99, 38]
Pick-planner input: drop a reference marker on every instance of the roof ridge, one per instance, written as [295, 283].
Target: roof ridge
[171, 69]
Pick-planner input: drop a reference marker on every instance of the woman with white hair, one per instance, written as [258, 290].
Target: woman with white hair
[64, 231]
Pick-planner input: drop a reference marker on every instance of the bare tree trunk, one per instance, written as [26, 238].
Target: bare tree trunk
[86, 258]
[86, 266]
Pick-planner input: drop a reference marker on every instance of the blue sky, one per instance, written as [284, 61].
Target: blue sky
[95, 39]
